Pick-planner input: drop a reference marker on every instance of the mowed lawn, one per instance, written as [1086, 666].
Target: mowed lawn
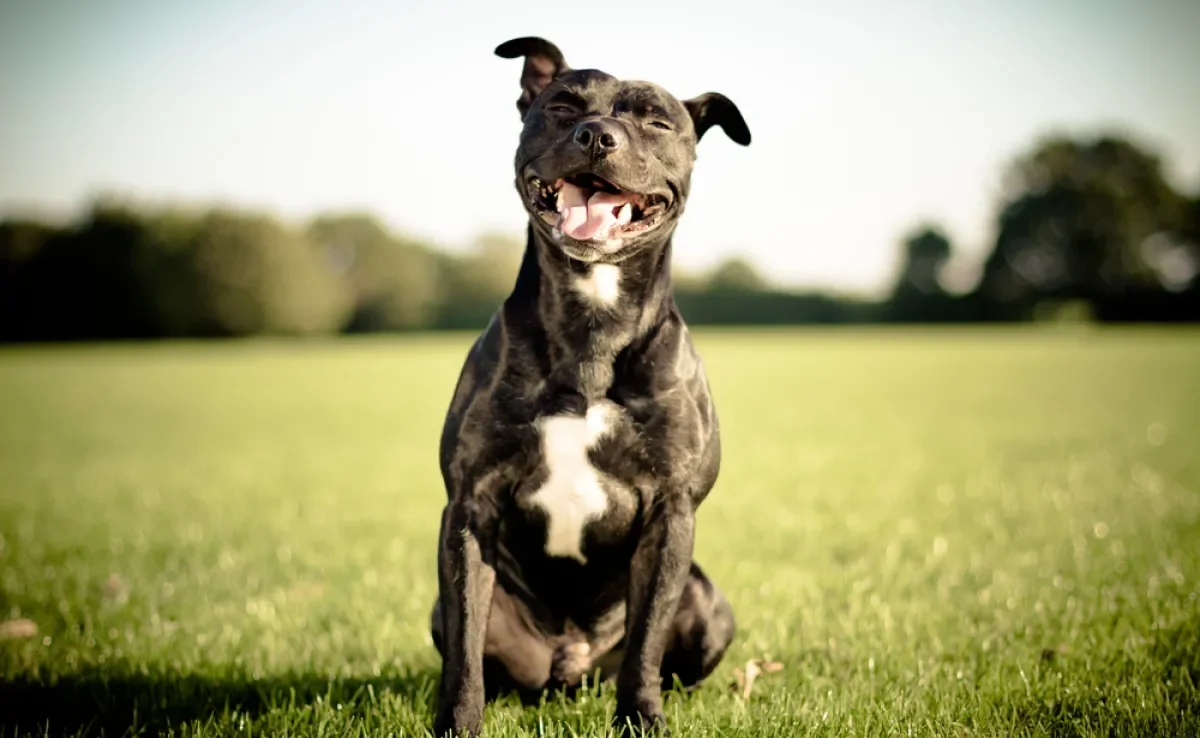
[952, 533]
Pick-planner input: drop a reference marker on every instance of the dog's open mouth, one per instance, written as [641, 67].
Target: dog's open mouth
[585, 207]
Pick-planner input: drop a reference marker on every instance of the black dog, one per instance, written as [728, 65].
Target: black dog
[582, 437]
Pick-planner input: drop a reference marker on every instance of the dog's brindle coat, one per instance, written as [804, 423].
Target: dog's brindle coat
[582, 437]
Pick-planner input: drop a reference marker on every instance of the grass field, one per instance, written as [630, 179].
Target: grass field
[936, 533]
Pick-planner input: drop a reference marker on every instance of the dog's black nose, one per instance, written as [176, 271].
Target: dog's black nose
[598, 137]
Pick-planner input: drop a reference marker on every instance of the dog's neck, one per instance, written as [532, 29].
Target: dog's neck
[585, 315]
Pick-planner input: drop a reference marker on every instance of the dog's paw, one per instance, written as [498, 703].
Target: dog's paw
[458, 723]
[642, 720]
[570, 662]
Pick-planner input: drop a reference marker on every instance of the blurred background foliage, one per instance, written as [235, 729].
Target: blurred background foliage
[1085, 228]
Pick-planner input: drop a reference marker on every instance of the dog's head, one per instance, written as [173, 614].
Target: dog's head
[604, 165]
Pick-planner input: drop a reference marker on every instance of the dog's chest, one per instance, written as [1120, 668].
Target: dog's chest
[573, 493]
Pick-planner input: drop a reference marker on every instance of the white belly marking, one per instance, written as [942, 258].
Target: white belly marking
[572, 495]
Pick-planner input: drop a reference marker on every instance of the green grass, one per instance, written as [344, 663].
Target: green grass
[937, 533]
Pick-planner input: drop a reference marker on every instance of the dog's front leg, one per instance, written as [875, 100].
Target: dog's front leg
[465, 581]
[657, 577]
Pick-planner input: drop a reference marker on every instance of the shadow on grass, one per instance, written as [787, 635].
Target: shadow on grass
[104, 703]
[107, 704]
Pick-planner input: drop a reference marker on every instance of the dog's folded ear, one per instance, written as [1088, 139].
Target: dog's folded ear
[714, 109]
[543, 62]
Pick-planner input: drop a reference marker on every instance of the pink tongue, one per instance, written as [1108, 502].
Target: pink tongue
[583, 218]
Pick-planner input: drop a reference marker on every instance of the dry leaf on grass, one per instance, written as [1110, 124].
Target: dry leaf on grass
[115, 591]
[13, 629]
[745, 677]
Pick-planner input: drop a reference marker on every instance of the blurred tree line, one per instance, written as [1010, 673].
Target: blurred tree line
[1086, 227]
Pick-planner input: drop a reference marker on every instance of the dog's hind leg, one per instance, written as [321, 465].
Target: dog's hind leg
[516, 655]
[703, 628]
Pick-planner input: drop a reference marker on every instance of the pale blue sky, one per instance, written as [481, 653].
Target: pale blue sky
[867, 116]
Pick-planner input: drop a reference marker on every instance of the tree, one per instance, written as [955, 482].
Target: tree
[918, 295]
[21, 244]
[394, 282]
[475, 283]
[94, 281]
[736, 274]
[1073, 225]
[925, 251]
[257, 276]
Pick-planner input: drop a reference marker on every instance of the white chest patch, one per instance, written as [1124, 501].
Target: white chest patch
[602, 285]
[572, 495]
